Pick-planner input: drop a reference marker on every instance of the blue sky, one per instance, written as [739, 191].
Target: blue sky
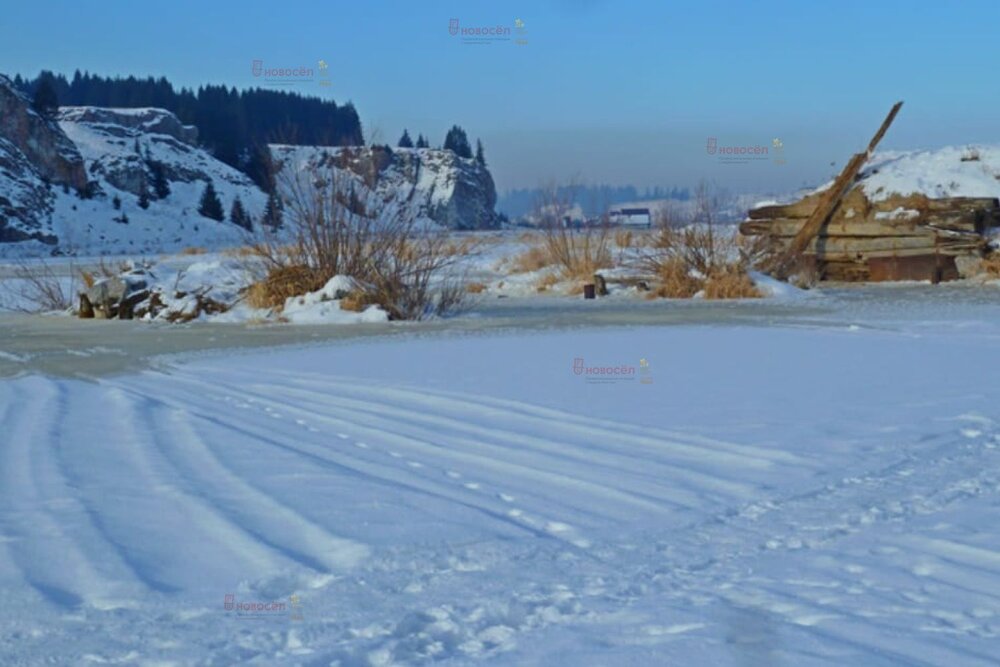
[616, 92]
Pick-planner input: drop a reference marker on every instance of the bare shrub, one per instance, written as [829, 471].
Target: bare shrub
[578, 252]
[703, 256]
[336, 227]
[39, 288]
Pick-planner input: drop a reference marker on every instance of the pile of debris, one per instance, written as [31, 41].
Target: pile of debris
[134, 294]
[842, 234]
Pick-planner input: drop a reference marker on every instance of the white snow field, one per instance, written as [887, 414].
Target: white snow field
[822, 490]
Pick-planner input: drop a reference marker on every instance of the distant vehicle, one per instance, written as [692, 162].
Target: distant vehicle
[631, 217]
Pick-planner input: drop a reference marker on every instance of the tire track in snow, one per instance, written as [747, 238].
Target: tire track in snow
[266, 518]
[697, 450]
[393, 478]
[380, 431]
[123, 502]
[47, 542]
[493, 449]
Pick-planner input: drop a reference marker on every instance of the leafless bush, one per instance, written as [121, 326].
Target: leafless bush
[578, 252]
[702, 256]
[336, 227]
[39, 288]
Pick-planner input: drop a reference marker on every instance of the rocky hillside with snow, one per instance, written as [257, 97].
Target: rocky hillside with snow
[34, 153]
[433, 186]
[111, 181]
[86, 182]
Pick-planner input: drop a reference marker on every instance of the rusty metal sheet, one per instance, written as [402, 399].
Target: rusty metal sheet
[921, 267]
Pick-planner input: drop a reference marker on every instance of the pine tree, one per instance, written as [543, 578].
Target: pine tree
[144, 198]
[117, 202]
[457, 142]
[238, 215]
[422, 142]
[45, 101]
[405, 141]
[161, 186]
[480, 158]
[272, 212]
[210, 206]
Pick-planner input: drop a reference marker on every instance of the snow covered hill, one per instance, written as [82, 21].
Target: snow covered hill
[119, 147]
[72, 184]
[80, 183]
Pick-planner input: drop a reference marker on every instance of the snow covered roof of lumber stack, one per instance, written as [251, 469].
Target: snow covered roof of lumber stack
[952, 171]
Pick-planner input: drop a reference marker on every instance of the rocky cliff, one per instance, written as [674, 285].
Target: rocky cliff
[83, 182]
[35, 154]
[425, 184]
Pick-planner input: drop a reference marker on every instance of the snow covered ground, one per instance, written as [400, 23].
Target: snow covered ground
[819, 487]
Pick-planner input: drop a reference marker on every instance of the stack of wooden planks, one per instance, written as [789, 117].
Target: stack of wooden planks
[899, 238]
[841, 234]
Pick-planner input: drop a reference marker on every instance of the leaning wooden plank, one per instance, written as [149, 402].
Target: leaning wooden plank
[833, 195]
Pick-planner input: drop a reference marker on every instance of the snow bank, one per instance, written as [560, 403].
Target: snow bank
[951, 171]
[323, 306]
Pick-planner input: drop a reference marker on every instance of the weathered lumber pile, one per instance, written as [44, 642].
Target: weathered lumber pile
[909, 237]
[839, 233]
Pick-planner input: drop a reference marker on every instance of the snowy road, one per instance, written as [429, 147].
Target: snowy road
[770, 496]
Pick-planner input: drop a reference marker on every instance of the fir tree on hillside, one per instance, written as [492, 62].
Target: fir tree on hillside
[210, 205]
[405, 141]
[239, 216]
[144, 197]
[422, 142]
[457, 142]
[45, 100]
[480, 157]
[161, 186]
[272, 212]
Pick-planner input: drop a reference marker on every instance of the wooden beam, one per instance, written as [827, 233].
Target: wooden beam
[828, 202]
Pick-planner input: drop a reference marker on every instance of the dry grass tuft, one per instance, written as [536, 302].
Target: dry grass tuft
[193, 250]
[475, 288]
[532, 259]
[87, 278]
[546, 282]
[624, 238]
[281, 283]
[991, 265]
[733, 283]
[354, 302]
[242, 251]
[674, 280]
